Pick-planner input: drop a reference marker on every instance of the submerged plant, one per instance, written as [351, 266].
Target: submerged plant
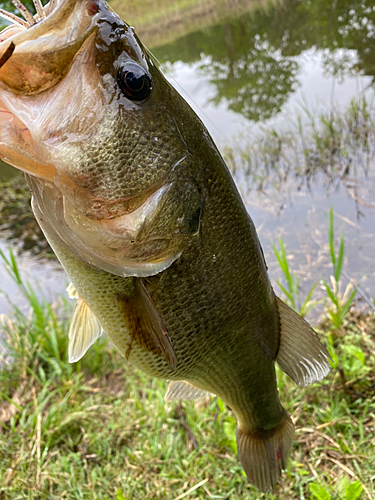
[335, 146]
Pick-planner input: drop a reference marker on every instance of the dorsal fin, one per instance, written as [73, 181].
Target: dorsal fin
[84, 330]
[180, 389]
[300, 354]
[145, 325]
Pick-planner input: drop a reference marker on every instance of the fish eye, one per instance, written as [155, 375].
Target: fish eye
[134, 81]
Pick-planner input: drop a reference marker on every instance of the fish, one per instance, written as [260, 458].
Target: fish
[137, 203]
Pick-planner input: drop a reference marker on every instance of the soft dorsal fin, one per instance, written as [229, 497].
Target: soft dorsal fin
[84, 330]
[300, 354]
[180, 389]
[145, 325]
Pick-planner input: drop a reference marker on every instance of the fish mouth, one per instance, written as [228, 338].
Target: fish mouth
[35, 56]
[59, 96]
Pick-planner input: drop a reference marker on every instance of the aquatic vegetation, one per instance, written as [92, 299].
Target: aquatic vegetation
[340, 303]
[85, 431]
[336, 148]
[337, 304]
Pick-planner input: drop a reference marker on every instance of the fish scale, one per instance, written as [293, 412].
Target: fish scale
[139, 207]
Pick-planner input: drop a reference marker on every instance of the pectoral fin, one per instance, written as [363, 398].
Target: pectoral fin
[300, 354]
[180, 389]
[84, 330]
[145, 325]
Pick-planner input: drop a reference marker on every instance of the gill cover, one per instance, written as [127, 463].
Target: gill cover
[79, 100]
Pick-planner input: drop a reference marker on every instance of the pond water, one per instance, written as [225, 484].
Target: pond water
[250, 67]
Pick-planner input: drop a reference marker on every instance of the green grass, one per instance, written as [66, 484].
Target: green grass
[100, 429]
[340, 302]
[291, 288]
[159, 22]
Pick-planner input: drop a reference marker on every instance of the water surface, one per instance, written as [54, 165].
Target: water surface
[249, 67]
[282, 67]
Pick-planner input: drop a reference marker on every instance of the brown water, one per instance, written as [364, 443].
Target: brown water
[251, 67]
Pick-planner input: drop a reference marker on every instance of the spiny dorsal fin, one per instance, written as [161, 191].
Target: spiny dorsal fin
[84, 330]
[145, 325]
[180, 389]
[300, 354]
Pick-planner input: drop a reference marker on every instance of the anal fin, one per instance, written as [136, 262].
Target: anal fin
[300, 354]
[145, 325]
[84, 330]
[180, 389]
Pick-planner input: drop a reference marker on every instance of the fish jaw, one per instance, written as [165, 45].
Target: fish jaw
[60, 124]
[55, 48]
[41, 54]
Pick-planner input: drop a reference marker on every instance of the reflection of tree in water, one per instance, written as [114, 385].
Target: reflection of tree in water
[333, 25]
[255, 84]
[252, 59]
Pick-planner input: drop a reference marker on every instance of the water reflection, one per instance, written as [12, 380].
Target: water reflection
[339, 148]
[253, 60]
[249, 62]
[17, 222]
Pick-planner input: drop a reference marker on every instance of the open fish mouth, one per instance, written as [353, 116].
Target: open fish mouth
[45, 44]
[36, 54]
[60, 99]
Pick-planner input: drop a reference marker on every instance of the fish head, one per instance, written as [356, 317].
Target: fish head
[103, 138]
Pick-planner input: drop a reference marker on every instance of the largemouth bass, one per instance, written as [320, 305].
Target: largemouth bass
[140, 209]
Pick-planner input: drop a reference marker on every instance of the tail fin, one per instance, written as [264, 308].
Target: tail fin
[263, 454]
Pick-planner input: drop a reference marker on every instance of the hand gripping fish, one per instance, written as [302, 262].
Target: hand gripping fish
[136, 201]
